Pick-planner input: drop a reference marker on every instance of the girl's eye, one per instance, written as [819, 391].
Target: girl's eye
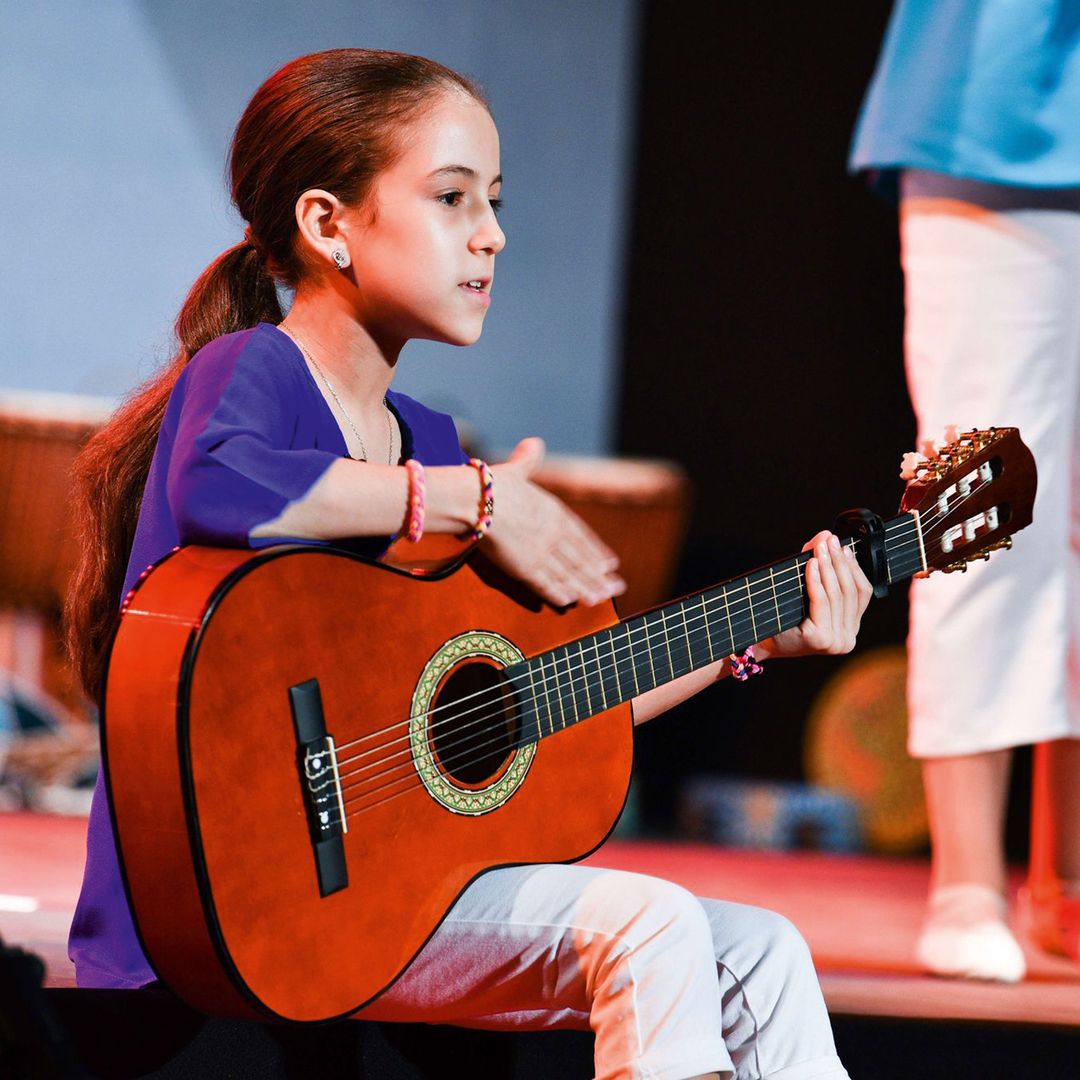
[496, 205]
[451, 198]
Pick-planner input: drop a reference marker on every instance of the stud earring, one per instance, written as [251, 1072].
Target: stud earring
[340, 257]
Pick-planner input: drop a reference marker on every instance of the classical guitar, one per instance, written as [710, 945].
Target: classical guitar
[310, 755]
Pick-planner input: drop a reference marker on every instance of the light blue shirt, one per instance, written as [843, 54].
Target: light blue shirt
[987, 89]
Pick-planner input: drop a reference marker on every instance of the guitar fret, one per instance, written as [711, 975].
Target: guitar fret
[613, 667]
[667, 646]
[708, 628]
[764, 590]
[776, 601]
[753, 622]
[523, 710]
[536, 704]
[562, 689]
[649, 652]
[599, 672]
[571, 686]
[547, 700]
[730, 647]
[682, 662]
[793, 609]
[585, 678]
[633, 658]
[624, 660]
[904, 555]
[698, 646]
[917, 524]
[544, 685]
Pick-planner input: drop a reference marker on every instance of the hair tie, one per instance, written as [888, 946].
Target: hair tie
[249, 239]
[487, 498]
[744, 665]
[414, 519]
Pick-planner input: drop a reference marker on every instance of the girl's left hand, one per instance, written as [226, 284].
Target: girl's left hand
[838, 593]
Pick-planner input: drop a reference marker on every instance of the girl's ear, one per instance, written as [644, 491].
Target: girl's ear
[320, 222]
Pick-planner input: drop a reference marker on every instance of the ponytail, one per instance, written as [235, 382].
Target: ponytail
[233, 293]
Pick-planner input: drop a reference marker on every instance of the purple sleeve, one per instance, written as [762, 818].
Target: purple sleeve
[232, 465]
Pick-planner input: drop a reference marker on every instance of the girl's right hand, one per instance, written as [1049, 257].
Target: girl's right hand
[538, 539]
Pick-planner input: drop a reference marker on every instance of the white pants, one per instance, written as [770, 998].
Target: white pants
[673, 986]
[993, 339]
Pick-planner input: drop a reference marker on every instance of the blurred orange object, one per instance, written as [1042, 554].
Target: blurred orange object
[640, 508]
[40, 434]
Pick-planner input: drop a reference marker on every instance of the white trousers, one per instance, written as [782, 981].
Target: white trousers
[993, 339]
[673, 986]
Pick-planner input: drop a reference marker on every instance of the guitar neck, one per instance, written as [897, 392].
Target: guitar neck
[589, 675]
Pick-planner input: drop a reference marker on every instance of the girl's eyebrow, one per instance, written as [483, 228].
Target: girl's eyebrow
[462, 170]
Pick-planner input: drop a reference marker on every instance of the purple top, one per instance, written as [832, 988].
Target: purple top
[245, 433]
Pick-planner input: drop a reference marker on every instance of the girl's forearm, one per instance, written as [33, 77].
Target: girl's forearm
[354, 498]
[654, 702]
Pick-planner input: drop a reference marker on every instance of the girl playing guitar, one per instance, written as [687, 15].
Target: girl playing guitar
[370, 183]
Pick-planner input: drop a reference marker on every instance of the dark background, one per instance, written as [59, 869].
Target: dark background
[763, 333]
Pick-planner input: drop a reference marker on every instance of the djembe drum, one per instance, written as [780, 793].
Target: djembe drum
[640, 508]
[40, 434]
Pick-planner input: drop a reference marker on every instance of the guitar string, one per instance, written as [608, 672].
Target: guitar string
[623, 643]
[679, 658]
[503, 691]
[579, 672]
[451, 759]
[754, 599]
[626, 647]
[557, 677]
[772, 598]
[414, 780]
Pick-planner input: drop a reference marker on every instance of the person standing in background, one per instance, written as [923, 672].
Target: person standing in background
[972, 120]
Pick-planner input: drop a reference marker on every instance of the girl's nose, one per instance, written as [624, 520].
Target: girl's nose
[489, 236]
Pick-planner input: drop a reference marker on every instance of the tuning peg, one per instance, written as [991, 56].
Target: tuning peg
[952, 568]
[950, 435]
[910, 464]
[928, 449]
[1002, 545]
[979, 556]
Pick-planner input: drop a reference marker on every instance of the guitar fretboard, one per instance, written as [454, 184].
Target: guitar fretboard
[572, 682]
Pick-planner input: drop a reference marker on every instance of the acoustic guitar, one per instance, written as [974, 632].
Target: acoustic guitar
[310, 756]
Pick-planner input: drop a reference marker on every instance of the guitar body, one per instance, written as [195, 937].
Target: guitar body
[207, 793]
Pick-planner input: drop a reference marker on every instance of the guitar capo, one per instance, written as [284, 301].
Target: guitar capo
[863, 524]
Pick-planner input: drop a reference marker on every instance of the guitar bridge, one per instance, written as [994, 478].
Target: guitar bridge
[320, 782]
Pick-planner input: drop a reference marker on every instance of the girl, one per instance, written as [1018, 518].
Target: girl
[370, 183]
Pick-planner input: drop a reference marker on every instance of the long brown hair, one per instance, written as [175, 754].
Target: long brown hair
[330, 120]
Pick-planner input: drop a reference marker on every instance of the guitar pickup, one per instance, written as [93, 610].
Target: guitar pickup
[320, 784]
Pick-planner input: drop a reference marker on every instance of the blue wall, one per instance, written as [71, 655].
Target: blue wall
[115, 122]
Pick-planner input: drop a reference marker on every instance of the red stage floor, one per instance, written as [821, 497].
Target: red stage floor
[859, 914]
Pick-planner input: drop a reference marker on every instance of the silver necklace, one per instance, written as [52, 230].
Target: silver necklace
[345, 412]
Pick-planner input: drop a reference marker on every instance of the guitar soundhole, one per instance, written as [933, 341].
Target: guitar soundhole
[474, 726]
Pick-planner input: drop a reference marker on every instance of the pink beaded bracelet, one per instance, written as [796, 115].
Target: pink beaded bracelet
[414, 521]
[487, 498]
[744, 665]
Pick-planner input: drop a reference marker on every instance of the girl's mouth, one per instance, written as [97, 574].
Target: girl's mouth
[478, 287]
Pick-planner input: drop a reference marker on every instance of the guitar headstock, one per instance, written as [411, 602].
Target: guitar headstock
[971, 495]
